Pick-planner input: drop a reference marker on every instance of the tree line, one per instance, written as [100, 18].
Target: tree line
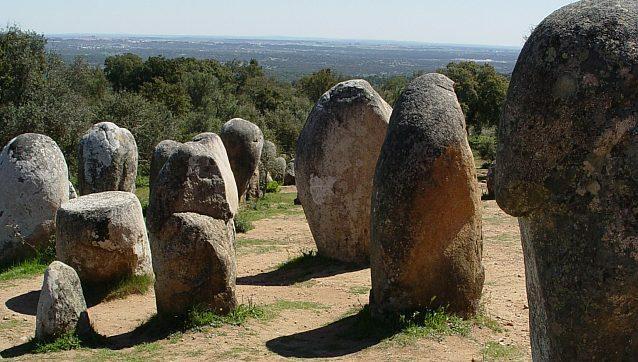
[159, 98]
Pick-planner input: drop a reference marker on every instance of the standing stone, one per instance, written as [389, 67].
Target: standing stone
[426, 241]
[61, 307]
[103, 237]
[278, 169]
[107, 160]
[337, 152]
[254, 191]
[194, 259]
[33, 184]
[197, 178]
[161, 154]
[269, 152]
[192, 234]
[243, 142]
[567, 168]
[289, 177]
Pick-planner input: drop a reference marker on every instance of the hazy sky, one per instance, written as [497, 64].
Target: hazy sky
[496, 22]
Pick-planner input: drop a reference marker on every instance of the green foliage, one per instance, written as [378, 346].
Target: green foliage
[433, 324]
[481, 91]
[316, 84]
[484, 146]
[67, 342]
[134, 284]
[273, 187]
[155, 98]
[243, 223]
[202, 316]
[22, 61]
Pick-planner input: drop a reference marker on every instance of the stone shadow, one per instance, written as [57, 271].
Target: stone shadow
[338, 339]
[26, 303]
[301, 269]
[154, 329]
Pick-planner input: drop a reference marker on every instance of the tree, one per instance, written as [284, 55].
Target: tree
[481, 91]
[124, 71]
[22, 64]
[318, 83]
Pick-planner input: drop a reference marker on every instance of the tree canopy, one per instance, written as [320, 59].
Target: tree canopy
[159, 98]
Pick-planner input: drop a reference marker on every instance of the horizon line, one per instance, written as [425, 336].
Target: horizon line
[277, 38]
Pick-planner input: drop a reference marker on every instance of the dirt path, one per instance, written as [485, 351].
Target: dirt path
[312, 308]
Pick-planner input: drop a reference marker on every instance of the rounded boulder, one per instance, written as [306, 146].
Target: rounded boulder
[243, 141]
[33, 184]
[107, 160]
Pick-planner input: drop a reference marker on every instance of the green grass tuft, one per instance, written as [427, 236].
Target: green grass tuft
[433, 324]
[135, 284]
[494, 351]
[201, 316]
[484, 320]
[242, 223]
[67, 342]
[30, 267]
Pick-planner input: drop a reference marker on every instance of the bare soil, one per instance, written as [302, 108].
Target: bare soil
[318, 330]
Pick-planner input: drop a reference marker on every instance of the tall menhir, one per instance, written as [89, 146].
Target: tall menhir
[567, 167]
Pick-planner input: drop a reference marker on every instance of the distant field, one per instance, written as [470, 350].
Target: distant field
[288, 59]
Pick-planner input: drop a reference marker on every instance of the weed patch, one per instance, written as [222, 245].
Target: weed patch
[494, 351]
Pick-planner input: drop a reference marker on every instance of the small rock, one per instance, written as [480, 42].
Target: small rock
[61, 307]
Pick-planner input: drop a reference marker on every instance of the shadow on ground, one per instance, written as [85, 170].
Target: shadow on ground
[26, 303]
[341, 338]
[301, 269]
[153, 330]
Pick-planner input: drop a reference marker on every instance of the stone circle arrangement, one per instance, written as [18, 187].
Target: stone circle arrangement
[392, 188]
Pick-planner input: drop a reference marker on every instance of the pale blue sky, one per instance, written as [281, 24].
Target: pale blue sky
[496, 22]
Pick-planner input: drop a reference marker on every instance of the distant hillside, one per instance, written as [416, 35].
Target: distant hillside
[287, 58]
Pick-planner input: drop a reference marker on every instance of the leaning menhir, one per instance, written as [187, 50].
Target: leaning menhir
[190, 219]
[243, 142]
[103, 237]
[337, 152]
[33, 185]
[567, 168]
[426, 243]
[107, 160]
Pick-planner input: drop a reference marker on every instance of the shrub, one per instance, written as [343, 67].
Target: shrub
[273, 187]
[243, 223]
[484, 145]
